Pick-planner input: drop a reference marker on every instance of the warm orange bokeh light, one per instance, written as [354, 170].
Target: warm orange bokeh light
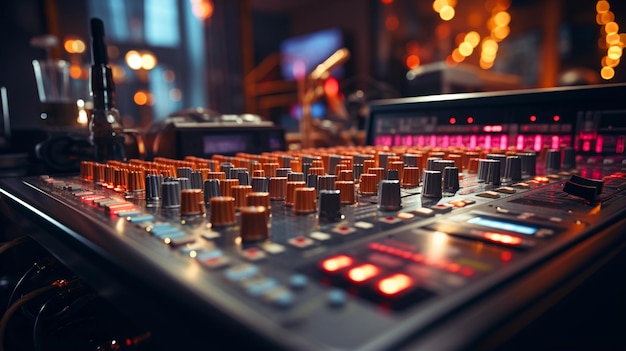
[391, 22]
[447, 13]
[412, 61]
[140, 98]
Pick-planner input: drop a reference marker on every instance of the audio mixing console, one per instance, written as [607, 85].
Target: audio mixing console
[345, 248]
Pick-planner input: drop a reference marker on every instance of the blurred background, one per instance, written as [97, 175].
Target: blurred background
[247, 56]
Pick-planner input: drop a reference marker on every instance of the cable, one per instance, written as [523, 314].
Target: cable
[9, 244]
[24, 299]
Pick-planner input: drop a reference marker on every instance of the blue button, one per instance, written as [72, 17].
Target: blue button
[281, 297]
[336, 297]
[161, 230]
[298, 281]
[258, 287]
[144, 218]
[209, 254]
[241, 272]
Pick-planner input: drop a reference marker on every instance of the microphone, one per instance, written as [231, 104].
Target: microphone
[337, 58]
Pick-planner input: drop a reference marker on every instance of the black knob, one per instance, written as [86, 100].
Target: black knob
[184, 172]
[389, 195]
[333, 161]
[326, 182]
[553, 161]
[311, 181]
[392, 174]
[196, 180]
[171, 194]
[529, 163]
[432, 184]
[501, 158]
[410, 160]
[513, 168]
[153, 187]
[569, 158]
[211, 189]
[330, 205]
[244, 177]
[357, 170]
[260, 184]
[588, 189]
[185, 183]
[451, 179]
[282, 172]
[493, 172]
[482, 169]
[225, 167]
[295, 177]
[431, 164]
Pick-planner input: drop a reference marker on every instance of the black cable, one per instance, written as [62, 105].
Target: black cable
[37, 329]
[37, 268]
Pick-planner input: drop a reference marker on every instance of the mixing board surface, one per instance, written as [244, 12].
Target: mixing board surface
[342, 248]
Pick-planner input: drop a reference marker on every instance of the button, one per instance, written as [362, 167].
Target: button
[273, 248]
[210, 235]
[336, 297]
[424, 212]
[240, 272]
[505, 190]
[544, 232]
[343, 230]
[521, 185]
[253, 254]
[280, 297]
[364, 225]
[556, 219]
[442, 208]
[215, 262]
[179, 240]
[489, 195]
[389, 220]
[298, 281]
[321, 236]
[405, 215]
[300, 242]
[259, 286]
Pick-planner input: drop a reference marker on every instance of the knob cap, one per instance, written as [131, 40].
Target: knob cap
[472, 165]
[211, 189]
[330, 205]
[410, 160]
[357, 170]
[389, 195]
[482, 169]
[260, 184]
[311, 181]
[191, 202]
[259, 199]
[529, 163]
[326, 182]
[239, 193]
[227, 185]
[171, 194]
[553, 161]
[410, 177]
[304, 199]
[290, 192]
[283, 171]
[184, 172]
[569, 159]
[196, 180]
[277, 188]
[225, 167]
[254, 220]
[432, 184]
[244, 178]
[451, 179]
[222, 211]
[153, 187]
[368, 184]
[136, 182]
[296, 177]
[513, 169]
[346, 188]
[501, 158]
[431, 164]
[493, 172]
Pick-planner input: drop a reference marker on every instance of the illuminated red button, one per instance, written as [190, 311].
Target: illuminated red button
[503, 238]
[343, 230]
[363, 273]
[300, 242]
[336, 263]
[395, 284]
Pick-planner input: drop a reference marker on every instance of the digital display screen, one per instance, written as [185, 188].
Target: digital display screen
[225, 144]
[508, 226]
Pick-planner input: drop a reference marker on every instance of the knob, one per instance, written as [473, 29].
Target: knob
[410, 177]
[216, 175]
[227, 185]
[171, 194]
[153, 187]
[254, 220]
[87, 170]
[569, 158]
[326, 182]
[410, 160]
[357, 170]
[472, 165]
[513, 168]
[346, 188]
[333, 162]
[222, 211]
[367, 164]
[290, 192]
[258, 173]
[345, 174]
[239, 193]
[440, 165]
[283, 171]
[270, 169]
[296, 177]
[482, 169]
[430, 163]
[259, 199]
[379, 172]
[260, 184]
[368, 184]
[277, 187]
[196, 180]
[382, 159]
[432, 184]
[311, 181]
[389, 195]
[529, 163]
[211, 189]
[304, 199]
[392, 174]
[184, 183]
[244, 178]
[553, 161]
[330, 205]
[588, 189]
[184, 172]
[191, 202]
[501, 158]
[451, 179]
[225, 167]
[493, 172]
[136, 183]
